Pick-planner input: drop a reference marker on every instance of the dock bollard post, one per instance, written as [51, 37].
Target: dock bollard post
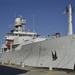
[50, 68]
[22, 64]
[2, 62]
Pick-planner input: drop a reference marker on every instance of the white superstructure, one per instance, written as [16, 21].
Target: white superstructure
[18, 36]
[29, 49]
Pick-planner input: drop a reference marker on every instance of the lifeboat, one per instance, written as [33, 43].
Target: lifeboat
[8, 44]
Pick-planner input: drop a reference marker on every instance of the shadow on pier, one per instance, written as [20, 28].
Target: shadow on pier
[4, 70]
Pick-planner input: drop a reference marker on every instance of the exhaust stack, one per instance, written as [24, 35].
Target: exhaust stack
[70, 10]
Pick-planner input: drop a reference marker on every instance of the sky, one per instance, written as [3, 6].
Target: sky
[48, 16]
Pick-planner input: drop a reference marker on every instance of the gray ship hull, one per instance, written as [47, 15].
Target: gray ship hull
[52, 53]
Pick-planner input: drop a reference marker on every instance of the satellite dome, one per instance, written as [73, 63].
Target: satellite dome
[17, 20]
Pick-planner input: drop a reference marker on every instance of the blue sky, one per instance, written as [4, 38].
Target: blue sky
[48, 17]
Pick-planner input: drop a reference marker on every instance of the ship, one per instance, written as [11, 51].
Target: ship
[27, 48]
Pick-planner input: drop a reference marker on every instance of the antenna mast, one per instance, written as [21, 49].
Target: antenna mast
[33, 24]
[70, 10]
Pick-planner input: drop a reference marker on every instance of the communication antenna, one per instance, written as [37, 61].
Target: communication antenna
[15, 14]
[33, 24]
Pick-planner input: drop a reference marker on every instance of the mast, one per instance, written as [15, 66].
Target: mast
[70, 10]
[19, 24]
[33, 24]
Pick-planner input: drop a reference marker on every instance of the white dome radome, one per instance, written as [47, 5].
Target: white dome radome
[17, 20]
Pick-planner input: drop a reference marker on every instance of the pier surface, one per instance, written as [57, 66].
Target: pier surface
[18, 70]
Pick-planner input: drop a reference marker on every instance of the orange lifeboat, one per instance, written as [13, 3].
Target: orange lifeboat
[9, 43]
